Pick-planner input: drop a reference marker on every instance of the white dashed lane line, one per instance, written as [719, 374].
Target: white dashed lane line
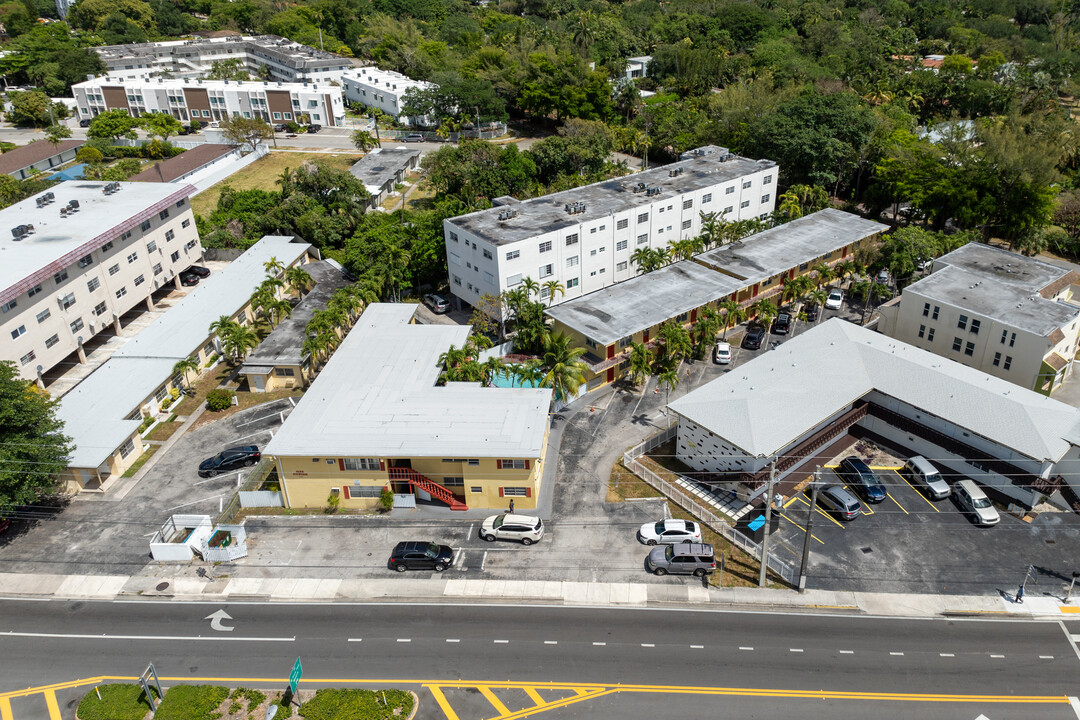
[502, 642]
[847, 652]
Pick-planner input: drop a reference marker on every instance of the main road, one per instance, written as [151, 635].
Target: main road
[485, 661]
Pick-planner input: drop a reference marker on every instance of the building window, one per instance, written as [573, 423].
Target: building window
[145, 225]
[487, 254]
[190, 244]
[621, 245]
[975, 325]
[157, 269]
[180, 203]
[957, 343]
[457, 280]
[106, 247]
[511, 280]
[545, 246]
[67, 301]
[513, 255]
[515, 492]
[164, 214]
[183, 225]
[368, 464]
[1004, 336]
[930, 335]
[685, 224]
[687, 204]
[926, 311]
[997, 359]
[572, 239]
[161, 392]
[572, 261]
[28, 357]
[60, 276]
[728, 191]
[99, 309]
[1012, 340]
[127, 448]
[619, 267]
[922, 331]
[643, 217]
[547, 270]
[621, 224]
[642, 239]
[121, 293]
[125, 236]
[453, 236]
[284, 372]
[728, 209]
[1008, 362]
[44, 315]
[746, 184]
[139, 280]
[114, 269]
[514, 465]
[9, 306]
[132, 257]
[21, 330]
[152, 246]
[767, 180]
[86, 261]
[573, 283]
[453, 481]
[969, 349]
[169, 235]
[93, 285]
[706, 198]
[765, 198]
[34, 290]
[962, 323]
[744, 204]
[76, 325]
[51, 341]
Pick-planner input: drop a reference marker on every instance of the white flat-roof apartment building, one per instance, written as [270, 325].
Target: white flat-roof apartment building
[285, 60]
[1008, 315]
[77, 257]
[382, 89]
[584, 237]
[207, 100]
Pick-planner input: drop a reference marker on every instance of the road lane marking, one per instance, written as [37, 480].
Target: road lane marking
[453, 640]
[824, 514]
[54, 707]
[1046, 657]
[745, 648]
[5, 709]
[535, 696]
[847, 652]
[211, 638]
[502, 642]
[404, 639]
[495, 701]
[440, 699]
[551, 642]
[917, 492]
[647, 645]
[897, 503]
[946, 655]
[356, 639]
[599, 643]
[697, 647]
[896, 653]
[999, 657]
[794, 649]
[1075, 704]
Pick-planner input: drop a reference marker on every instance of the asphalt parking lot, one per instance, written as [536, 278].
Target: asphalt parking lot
[911, 544]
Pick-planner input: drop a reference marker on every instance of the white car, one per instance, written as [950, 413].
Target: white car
[974, 501]
[508, 526]
[723, 353]
[668, 532]
[836, 299]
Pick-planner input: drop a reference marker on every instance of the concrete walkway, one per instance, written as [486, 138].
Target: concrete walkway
[690, 593]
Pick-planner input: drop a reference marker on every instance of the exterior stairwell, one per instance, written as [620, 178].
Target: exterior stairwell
[428, 485]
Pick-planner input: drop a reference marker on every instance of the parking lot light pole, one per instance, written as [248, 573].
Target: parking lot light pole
[768, 521]
[1072, 584]
[809, 529]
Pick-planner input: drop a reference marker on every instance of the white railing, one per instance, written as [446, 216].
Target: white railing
[699, 511]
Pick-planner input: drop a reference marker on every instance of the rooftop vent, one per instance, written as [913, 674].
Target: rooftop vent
[73, 206]
[111, 188]
[652, 191]
[49, 197]
[640, 187]
[574, 208]
[675, 173]
[507, 214]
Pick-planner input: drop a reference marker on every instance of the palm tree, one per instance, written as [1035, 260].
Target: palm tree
[297, 277]
[491, 368]
[272, 285]
[183, 367]
[641, 358]
[711, 229]
[764, 310]
[279, 308]
[847, 268]
[364, 141]
[565, 371]
[682, 249]
[453, 357]
[530, 286]
[823, 274]
[675, 344]
[669, 379]
[734, 313]
[554, 286]
[705, 330]
[349, 302]
[583, 34]
[817, 297]
[644, 258]
[241, 339]
[274, 266]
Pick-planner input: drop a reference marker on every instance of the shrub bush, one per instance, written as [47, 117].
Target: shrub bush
[118, 702]
[219, 399]
[191, 702]
[342, 704]
[386, 500]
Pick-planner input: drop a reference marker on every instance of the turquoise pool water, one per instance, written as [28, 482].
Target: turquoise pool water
[512, 382]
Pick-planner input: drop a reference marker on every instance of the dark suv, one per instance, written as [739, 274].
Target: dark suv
[229, 459]
[753, 338]
[682, 559]
[861, 479]
[421, 555]
[782, 324]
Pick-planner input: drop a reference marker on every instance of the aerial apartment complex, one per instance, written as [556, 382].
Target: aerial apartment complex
[77, 257]
[210, 100]
[284, 60]
[382, 89]
[583, 238]
[1010, 316]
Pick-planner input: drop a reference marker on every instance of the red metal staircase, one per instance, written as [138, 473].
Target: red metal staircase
[427, 485]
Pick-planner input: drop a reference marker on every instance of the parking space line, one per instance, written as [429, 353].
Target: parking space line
[440, 700]
[897, 503]
[495, 701]
[924, 498]
[800, 527]
[5, 709]
[52, 705]
[833, 520]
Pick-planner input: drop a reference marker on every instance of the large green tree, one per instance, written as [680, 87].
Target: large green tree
[33, 447]
[113, 125]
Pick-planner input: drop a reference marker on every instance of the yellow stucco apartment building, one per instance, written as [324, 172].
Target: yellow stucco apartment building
[374, 418]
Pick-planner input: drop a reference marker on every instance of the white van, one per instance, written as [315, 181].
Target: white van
[974, 501]
[919, 471]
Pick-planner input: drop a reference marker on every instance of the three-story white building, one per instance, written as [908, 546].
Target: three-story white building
[584, 238]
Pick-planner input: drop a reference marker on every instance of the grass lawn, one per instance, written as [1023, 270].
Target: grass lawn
[163, 431]
[130, 472]
[118, 702]
[264, 172]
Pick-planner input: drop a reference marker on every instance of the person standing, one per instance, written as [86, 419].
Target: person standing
[511, 505]
[1020, 595]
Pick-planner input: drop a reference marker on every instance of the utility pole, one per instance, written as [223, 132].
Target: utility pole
[809, 529]
[768, 521]
[477, 109]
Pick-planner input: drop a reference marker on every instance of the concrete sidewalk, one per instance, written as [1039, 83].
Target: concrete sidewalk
[689, 594]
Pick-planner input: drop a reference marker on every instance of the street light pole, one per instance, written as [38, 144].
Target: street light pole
[809, 529]
[768, 521]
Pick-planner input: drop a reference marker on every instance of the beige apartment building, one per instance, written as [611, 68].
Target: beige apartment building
[1010, 316]
[74, 259]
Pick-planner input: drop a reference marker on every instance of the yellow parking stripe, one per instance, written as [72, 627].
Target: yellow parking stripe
[54, 707]
[5, 709]
[793, 499]
[916, 491]
[800, 527]
[897, 503]
[830, 517]
[437, 693]
[495, 702]
[535, 696]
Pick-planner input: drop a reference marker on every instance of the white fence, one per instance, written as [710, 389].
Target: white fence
[236, 549]
[261, 498]
[702, 513]
[218, 172]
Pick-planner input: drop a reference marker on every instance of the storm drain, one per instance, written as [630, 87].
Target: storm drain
[867, 550]
[1051, 542]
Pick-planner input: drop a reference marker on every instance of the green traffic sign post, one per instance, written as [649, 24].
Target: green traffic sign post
[295, 675]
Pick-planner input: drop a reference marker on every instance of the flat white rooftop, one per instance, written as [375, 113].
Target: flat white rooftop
[94, 411]
[377, 398]
[144, 81]
[766, 404]
[58, 242]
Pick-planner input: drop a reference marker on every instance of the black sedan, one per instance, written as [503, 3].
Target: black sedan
[188, 278]
[199, 270]
[232, 458]
[421, 555]
[753, 338]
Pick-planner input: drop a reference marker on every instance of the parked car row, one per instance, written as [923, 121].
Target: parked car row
[192, 275]
[429, 555]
